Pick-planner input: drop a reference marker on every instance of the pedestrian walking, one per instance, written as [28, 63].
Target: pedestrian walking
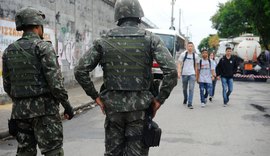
[226, 68]
[126, 54]
[212, 57]
[205, 75]
[32, 79]
[187, 67]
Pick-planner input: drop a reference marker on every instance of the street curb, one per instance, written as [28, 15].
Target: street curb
[77, 109]
[4, 99]
[4, 134]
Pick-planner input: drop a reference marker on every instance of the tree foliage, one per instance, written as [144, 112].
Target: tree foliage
[204, 44]
[211, 43]
[260, 18]
[228, 21]
[243, 16]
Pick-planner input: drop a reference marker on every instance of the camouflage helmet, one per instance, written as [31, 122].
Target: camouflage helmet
[29, 16]
[127, 8]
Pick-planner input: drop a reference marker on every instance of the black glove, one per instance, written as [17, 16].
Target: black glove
[69, 111]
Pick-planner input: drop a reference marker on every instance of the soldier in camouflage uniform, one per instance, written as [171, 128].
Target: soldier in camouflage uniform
[126, 54]
[32, 78]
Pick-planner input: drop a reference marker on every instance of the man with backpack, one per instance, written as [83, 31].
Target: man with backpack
[187, 68]
[205, 75]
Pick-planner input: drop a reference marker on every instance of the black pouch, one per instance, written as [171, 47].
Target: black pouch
[151, 134]
[12, 127]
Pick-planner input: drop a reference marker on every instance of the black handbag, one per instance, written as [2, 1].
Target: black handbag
[152, 132]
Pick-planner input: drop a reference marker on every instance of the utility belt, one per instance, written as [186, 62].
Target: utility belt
[151, 132]
[48, 95]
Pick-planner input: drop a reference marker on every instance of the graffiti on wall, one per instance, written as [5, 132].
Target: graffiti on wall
[8, 33]
[66, 45]
[72, 44]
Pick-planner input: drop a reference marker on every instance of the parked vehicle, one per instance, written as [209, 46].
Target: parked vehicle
[248, 50]
[175, 44]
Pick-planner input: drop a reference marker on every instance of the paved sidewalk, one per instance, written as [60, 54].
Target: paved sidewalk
[77, 98]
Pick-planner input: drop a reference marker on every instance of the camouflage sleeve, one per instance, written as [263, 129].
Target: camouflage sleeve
[167, 65]
[87, 63]
[5, 74]
[53, 73]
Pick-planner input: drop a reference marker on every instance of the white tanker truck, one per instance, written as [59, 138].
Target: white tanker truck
[247, 49]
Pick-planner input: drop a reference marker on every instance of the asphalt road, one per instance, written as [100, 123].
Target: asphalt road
[241, 129]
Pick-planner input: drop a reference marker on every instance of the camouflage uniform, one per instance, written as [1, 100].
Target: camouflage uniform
[126, 54]
[32, 78]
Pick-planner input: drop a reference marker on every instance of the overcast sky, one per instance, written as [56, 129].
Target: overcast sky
[195, 16]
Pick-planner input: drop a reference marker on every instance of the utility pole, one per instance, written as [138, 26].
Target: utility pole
[188, 35]
[172, 18]
[180, 21]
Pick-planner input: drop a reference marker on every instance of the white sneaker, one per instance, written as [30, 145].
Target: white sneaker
[202, 105]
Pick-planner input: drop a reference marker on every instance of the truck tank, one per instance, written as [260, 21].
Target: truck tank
[248, 50]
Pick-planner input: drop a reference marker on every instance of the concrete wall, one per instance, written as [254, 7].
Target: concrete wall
[73, 24]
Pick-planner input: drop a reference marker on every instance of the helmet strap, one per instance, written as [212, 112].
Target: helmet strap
[42, 32]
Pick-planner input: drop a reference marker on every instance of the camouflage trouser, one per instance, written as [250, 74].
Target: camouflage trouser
[119, 127]
[44, 131]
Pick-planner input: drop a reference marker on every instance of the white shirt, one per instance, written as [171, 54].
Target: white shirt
[205, 71]
[188, 66]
